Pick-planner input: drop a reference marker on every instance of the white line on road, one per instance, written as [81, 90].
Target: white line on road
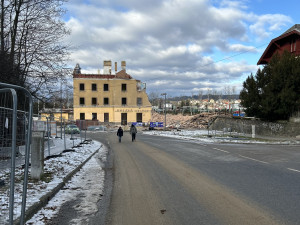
[220, 150]
[294, 170]
[253, 159]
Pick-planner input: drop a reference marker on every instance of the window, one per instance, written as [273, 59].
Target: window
[139, 101]
[82, 116]
[124, 101]
[94, 87]
[293, 45]
[81, 87]
[105, 87]
[139, 117]
[124, 118]
[105, 101]
[94, 101]
[124, 87]
[106, 117]
[94, 116]
[81, 101]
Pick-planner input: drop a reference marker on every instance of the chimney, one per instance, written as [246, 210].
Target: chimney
[116, 67]
[107, 67]
[77, 69]
[123, 65]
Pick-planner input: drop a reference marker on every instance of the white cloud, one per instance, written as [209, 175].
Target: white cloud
[265, 24]
[169, 43]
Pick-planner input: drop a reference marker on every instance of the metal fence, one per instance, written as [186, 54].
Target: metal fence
[15, 131]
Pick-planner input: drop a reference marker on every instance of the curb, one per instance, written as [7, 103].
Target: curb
[48, 196]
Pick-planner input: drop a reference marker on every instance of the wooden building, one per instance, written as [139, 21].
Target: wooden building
[288, 41]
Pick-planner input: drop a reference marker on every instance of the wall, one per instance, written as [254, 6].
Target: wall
[262, 128]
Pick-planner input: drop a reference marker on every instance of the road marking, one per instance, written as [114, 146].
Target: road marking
[220, 150]
[253, 159]
[294, 170]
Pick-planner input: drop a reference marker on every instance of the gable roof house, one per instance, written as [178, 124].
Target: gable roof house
[288, 41]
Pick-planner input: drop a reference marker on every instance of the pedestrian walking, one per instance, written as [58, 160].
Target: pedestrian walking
[120, 133]
[133, 132]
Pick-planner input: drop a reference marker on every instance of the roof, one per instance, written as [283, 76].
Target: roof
[119, 75]
[296, 27]
[293, 30]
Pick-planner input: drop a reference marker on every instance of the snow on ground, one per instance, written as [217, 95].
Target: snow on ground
[56, 170]
[86, 187]
[217, 137]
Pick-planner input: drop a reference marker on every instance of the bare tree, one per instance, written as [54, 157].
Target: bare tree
[200, 95]
[32, 51]
[208, 93]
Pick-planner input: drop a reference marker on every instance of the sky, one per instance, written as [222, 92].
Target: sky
[178, 47]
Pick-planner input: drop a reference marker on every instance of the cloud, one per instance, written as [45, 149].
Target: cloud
[265, 24]
[169, 43]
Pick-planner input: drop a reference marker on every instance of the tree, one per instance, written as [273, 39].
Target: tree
[32, 53]
[274, 93]
[250, 98]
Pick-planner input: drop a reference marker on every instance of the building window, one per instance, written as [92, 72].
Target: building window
[124, 101]
[94, 87]
[82, 116]
[81, 101]
[106, 117]
[105, 101]
[81, 87]
[139, 101]
[105, 87]
[124, 118]
[293, 45]
[94, 116]
[139, 117]
[124, 87]
[94, 101]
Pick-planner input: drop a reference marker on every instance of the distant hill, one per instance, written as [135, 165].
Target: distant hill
[215, 97]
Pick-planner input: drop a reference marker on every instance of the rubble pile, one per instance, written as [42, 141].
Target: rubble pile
[198, 121]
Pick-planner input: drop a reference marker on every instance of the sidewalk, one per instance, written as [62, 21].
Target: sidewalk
[58, 170]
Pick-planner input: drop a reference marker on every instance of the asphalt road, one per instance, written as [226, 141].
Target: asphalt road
[159, 180]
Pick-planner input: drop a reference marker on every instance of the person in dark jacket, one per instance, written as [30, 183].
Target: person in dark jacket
[120, 133]
[133, 132]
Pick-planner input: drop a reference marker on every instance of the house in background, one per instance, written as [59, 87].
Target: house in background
[288, 41]
[110, 98]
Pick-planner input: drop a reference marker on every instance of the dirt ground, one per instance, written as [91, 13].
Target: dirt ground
[198, 121]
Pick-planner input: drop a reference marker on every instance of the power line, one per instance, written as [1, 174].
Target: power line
[229, 57]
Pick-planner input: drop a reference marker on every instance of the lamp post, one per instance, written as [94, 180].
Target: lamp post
[61, 106]
[165, 94]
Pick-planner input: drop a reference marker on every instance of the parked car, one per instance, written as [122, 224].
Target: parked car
[97, 128]
[72, 129]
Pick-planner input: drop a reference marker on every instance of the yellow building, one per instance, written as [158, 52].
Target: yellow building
[56, 114]
[114, 98]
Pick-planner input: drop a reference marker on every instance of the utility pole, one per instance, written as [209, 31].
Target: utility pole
[165, 94]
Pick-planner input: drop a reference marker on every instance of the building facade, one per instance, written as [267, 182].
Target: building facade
[288, 41]
[110, 98]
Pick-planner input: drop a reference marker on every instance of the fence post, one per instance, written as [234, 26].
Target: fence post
[37, 155]
[253, 131]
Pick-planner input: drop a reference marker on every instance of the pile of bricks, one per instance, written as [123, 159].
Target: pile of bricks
[198, 121]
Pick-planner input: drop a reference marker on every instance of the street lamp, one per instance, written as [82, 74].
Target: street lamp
[165, 94]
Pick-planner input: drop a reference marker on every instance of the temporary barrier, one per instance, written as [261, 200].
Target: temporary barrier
[15, 131]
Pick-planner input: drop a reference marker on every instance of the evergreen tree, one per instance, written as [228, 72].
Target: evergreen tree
[274, 93]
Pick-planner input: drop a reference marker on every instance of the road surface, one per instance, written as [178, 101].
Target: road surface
[158, 180]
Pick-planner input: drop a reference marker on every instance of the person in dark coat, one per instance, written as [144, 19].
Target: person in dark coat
[120, 133]
[133, 132]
